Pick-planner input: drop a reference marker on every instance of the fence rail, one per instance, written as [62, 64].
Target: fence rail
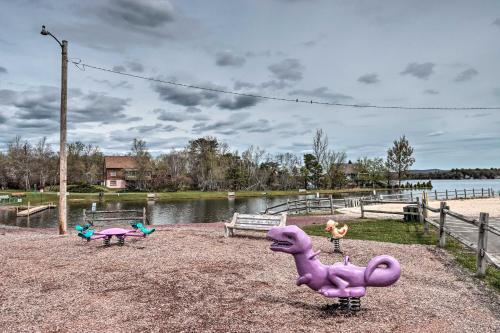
[115, 215]
[422, 207]
[308, 205]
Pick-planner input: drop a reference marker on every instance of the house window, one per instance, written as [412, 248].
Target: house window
[112, 183]
[112, 173]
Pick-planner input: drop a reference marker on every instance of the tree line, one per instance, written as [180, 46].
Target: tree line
[207, 164]
[477, 173]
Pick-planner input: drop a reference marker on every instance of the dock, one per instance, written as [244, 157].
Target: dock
[35, 209]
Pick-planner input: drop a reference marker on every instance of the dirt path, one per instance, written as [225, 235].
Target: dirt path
[191, 279]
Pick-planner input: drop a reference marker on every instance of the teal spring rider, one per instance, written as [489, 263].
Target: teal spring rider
[88, 233]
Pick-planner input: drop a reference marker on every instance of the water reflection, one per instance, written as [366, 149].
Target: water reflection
[164, 212]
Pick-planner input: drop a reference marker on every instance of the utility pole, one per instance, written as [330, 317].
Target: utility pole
[63, 226]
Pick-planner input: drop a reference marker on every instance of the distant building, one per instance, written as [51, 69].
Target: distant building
[118, 170]
[350, 171]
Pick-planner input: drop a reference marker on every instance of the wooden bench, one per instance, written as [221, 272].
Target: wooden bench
[253, 222]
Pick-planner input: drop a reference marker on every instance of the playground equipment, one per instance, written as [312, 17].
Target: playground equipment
[343, 280]
[336, 234]
[89, 233]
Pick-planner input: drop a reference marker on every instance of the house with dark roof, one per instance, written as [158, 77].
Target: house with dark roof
[118, 170]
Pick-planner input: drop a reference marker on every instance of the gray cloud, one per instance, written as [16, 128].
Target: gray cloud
[369, 78]
[242, 84]
[119, 68]
[192, 109]
[234, 124]
[3, 70]
[478, 115]
[287, 69]
[437, 133]
[497, 22]
[115, 85]
[228, 58]
[3, 119]
[421, 71]
[321, 92]
[156, 128]
[274, 84]
[238, 102]
[309, 43]
[466, 75]
[431, 92]
[187, 97]
[135, 66]
[43, 103]
[295, 133]
[194, 98]
[139, 14]
[178, 116]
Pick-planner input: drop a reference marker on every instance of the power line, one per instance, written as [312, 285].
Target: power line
[82, 66]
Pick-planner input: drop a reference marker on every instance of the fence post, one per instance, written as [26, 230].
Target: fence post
[473, 193]
[144, 220]
[456, 194]
[482, 244]
[362, 210]
[465, 193]
[482, 192]
[84, 216]
[331, 203]
[421, 215]
[411, 195]
[308, 210]
[442, 220]
[28, 213]
[425, 202]
[435, 194]
[446, 194]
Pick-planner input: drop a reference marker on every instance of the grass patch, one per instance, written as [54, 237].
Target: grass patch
[390, 231]
[395, 231]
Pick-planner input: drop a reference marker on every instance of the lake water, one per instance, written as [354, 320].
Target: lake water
[199, 210]
[160, 212]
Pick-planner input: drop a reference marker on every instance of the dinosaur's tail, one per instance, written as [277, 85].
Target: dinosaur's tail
[376, 276]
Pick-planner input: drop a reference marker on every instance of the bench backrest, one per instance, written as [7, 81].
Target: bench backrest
[263, 222]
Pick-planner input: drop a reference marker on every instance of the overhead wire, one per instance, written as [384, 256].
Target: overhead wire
[80, 65]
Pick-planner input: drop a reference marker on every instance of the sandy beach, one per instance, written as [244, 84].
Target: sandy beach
[192, 279]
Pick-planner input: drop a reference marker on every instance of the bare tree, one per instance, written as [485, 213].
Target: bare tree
[320, 147]
[334, 165]
[399, 158]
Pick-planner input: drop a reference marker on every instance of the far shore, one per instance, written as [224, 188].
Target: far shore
[44, 197]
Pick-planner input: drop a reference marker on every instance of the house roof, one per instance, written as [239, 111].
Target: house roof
[120, 162]
[349, 168]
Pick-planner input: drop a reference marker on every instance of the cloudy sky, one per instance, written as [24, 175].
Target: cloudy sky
[419, 53]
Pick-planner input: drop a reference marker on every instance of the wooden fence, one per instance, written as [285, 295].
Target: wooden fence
[306, 205]
[422, 208]
[481, 248]
[114, 215]
[309, 205]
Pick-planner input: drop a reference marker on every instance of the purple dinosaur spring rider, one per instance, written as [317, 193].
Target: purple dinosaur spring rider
[344, 280]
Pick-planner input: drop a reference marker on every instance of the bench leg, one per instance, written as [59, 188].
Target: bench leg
[228, 232]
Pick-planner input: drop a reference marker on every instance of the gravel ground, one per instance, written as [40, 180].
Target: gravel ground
[191, 279]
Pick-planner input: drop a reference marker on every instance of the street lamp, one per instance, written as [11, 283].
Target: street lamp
[62, 137]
